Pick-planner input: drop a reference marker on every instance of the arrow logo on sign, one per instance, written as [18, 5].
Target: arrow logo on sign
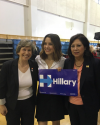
[48, 80]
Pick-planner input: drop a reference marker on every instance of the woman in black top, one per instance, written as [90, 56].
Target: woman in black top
[18, 84]
[83, 109]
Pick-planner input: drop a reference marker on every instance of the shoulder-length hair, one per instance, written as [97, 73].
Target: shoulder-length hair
[56, 44]
[85, 42]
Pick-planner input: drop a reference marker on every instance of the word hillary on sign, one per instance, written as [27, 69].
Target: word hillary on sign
[60, 83]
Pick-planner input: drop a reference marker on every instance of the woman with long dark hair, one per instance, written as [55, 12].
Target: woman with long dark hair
[50, 107]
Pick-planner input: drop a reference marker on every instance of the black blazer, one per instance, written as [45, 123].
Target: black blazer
[9, 83]
[89, 83]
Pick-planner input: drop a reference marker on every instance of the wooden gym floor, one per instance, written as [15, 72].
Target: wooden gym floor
[63, 122]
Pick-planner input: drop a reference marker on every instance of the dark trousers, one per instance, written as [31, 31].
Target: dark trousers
[78, 116]
[22, 114]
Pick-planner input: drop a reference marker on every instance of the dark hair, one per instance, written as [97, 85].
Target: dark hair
[85, 42]
[56, 44]
[98, 44]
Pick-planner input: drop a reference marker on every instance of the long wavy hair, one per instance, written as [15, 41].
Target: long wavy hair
[56, 44]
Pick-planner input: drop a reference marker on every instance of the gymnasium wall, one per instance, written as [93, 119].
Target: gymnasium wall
[37, 19]
[11, 18]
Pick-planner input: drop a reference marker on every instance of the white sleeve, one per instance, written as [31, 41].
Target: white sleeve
[37, 58]
[2, 101]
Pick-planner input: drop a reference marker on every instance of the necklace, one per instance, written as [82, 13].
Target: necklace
[79, 65]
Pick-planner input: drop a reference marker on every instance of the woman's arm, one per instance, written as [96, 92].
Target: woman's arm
[3, 110]
[3, 80]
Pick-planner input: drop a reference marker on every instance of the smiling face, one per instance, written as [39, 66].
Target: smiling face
[77, 49]
[25, 53]
[48, 46]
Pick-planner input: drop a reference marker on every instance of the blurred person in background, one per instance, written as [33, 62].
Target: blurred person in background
[93, 51]
[36, 51]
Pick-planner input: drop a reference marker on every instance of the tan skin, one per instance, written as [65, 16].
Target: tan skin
[49, 50]
[24, 55]
[77, 49]
[53, 122]
[3, 110]
[49, 61]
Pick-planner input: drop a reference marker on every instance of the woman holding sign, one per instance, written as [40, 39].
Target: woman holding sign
[83, 109]
[50, 107]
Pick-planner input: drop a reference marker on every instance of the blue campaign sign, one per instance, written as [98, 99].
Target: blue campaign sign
[58, 83]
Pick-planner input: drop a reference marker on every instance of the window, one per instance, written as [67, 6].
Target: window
[97, 1]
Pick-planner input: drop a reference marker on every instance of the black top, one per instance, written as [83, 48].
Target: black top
[9, 83]
[89, 84]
